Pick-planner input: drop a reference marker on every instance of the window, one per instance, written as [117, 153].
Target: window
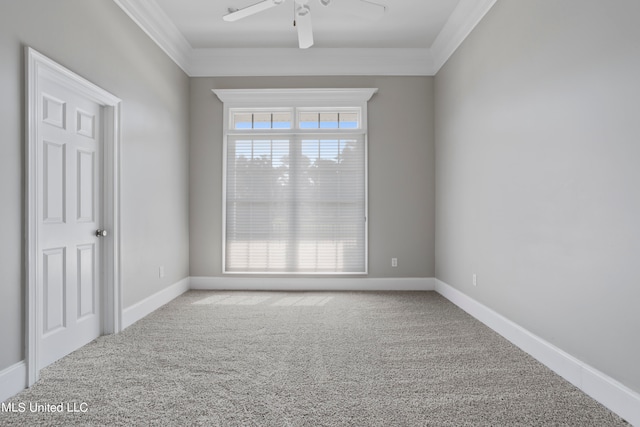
[331, 119]
[295, 184]
[242, 119]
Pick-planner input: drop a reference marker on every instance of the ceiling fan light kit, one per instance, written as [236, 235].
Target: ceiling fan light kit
[302, 21]
[303, 10]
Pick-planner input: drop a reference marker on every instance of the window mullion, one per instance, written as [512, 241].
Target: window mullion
[293, 246]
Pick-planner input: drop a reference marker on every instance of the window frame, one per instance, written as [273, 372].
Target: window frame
[296, 101]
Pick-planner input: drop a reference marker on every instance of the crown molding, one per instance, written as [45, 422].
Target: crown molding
[274, 97]
[462, 21]
[308, 62]
[160, 28]
[311, 62]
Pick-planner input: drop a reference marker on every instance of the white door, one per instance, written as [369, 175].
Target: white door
[70, 150]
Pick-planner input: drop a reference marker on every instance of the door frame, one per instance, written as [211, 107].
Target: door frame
[37, 66]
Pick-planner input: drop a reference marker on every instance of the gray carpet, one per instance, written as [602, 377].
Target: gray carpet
[306, 359]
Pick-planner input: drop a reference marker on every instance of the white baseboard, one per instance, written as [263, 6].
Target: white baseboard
[13, 380]
[131, 315]
[313, 284]
[612, 394]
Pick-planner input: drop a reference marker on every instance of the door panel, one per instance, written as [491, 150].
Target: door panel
[54, 174]
[86, 185]
[86, 280]
[86, 124]
[54, 111]
[55, 287]
[70, 149]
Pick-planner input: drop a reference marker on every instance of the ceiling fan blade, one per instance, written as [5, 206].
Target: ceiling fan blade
[305, 30]
[251, 10]
[363, 8]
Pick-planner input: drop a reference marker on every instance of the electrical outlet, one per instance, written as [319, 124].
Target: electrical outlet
[475, 280]
[394, 262]
[161, 271]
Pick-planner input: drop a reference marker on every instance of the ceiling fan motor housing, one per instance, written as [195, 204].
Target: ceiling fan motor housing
[302, 19]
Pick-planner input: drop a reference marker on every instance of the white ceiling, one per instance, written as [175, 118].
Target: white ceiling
[413, 37]
[406, 24]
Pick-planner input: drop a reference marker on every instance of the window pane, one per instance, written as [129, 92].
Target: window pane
[262, 121]
[261, 151]
[349, 121]
[242, 121]
[243, 150]
[310, 151]
[282, 120]
[309, 120]
[329, 120]
[329, 149]
[256, 208]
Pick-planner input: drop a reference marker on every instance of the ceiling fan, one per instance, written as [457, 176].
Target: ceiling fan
[302, 18]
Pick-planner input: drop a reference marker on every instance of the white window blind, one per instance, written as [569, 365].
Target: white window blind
[296, 203]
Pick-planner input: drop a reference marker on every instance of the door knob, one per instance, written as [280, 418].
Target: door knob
[101, 233]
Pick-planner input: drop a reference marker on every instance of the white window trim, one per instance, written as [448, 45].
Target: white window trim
[296, 99]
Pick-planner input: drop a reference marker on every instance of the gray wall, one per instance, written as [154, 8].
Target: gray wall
[401, 170]
[538, 173]
[98, 41]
